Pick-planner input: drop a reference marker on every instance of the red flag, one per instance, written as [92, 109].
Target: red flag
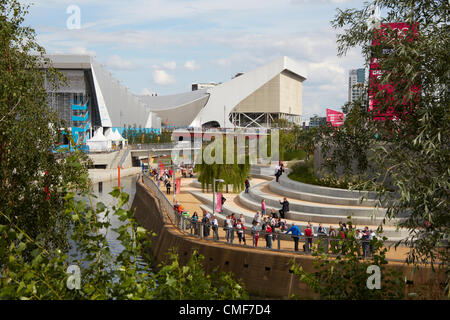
[161, 168]
[177, 185]
[336, 118]
[219, 202]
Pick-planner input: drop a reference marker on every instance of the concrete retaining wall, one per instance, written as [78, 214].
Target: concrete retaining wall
[332, 192]
[265, 274]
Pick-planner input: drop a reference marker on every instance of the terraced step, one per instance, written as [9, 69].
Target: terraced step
[313, 197]
[249, 203]
[324, 191]
[390, 232]
[256, 194]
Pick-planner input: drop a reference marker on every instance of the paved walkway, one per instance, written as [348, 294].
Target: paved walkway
[192, 204]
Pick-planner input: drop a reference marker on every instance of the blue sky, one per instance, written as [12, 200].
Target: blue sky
[164, 46]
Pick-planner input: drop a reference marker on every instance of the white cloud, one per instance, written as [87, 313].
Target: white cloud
[81, 50]
[191, 65]
[117, 63]
[171, 65]
[223, 62]
[162, 77]
[146, 92]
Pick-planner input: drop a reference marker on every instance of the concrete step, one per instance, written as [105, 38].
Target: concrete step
[256, 194]
[390, 232]
[313, 197]
[324, 191]
[249, 203]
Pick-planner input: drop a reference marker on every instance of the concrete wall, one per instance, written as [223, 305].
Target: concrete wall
[265, 99]
[282, 94]
[265, 274]
[291, 90]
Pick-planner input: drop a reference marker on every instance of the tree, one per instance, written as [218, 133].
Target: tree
[233, 174]
[33, 180]
[99, 273]
[40, 192]
[342, 273]
[409, 145]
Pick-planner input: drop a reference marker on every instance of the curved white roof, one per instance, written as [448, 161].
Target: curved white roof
[224, 97]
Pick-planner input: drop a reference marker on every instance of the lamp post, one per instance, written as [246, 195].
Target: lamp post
[214, 193]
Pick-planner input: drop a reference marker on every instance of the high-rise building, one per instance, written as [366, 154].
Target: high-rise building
[356, 81]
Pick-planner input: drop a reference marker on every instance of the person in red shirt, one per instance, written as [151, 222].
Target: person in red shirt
[268, 236]
[308, 238]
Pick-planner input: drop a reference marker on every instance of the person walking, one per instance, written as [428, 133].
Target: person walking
[215, 228]
[257, 218]
[296, 234]
[255, 233]
[168, 185]
[240, 231]
[194, 222]
[278, 173]
[206, 226]
[366, 241]
[247, 184]
[268, 236]
[321, 231]
[229, 229]
[308, 238]
[285, 207]
[263, 206]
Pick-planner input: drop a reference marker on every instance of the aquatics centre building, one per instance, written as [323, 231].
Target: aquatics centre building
[93, 99]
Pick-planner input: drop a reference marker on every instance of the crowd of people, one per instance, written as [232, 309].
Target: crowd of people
[269, 224]
[165, 177]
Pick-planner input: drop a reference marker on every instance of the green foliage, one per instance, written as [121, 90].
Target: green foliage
[104, 275]
[233, 174]
[411, 151]
[303, 171]
[342, 274]
[40, 237]
[28, 133]
[290, 147]
[188, 282]
[306, 140]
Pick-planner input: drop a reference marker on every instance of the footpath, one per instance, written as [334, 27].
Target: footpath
[193, 204]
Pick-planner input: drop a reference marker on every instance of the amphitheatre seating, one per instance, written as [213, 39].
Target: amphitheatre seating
[307, 203]
[390, 232]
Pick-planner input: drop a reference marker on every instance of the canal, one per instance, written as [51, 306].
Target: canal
[128, 185]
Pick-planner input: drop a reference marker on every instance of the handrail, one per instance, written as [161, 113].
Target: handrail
[197, 229]
[124, 157]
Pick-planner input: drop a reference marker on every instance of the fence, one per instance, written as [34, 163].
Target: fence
[202, 230]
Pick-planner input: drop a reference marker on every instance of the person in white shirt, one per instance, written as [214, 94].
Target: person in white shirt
[257, 217]
[229, 229]
[215, 228]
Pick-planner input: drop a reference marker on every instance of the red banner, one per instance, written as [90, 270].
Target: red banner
[177, 185]
[336, 118]
[382, 38]
[161, 168]
[219, 202]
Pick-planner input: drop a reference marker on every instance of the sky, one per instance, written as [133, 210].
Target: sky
[163, 46]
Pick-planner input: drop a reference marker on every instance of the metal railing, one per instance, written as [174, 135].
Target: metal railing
[233, 236]
[165, 204]
[124, 157]
[272, 239]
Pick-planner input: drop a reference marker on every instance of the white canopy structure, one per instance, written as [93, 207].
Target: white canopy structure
[99, 142]
[117, 136]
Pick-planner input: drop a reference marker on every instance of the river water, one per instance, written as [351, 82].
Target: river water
[128, 185]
